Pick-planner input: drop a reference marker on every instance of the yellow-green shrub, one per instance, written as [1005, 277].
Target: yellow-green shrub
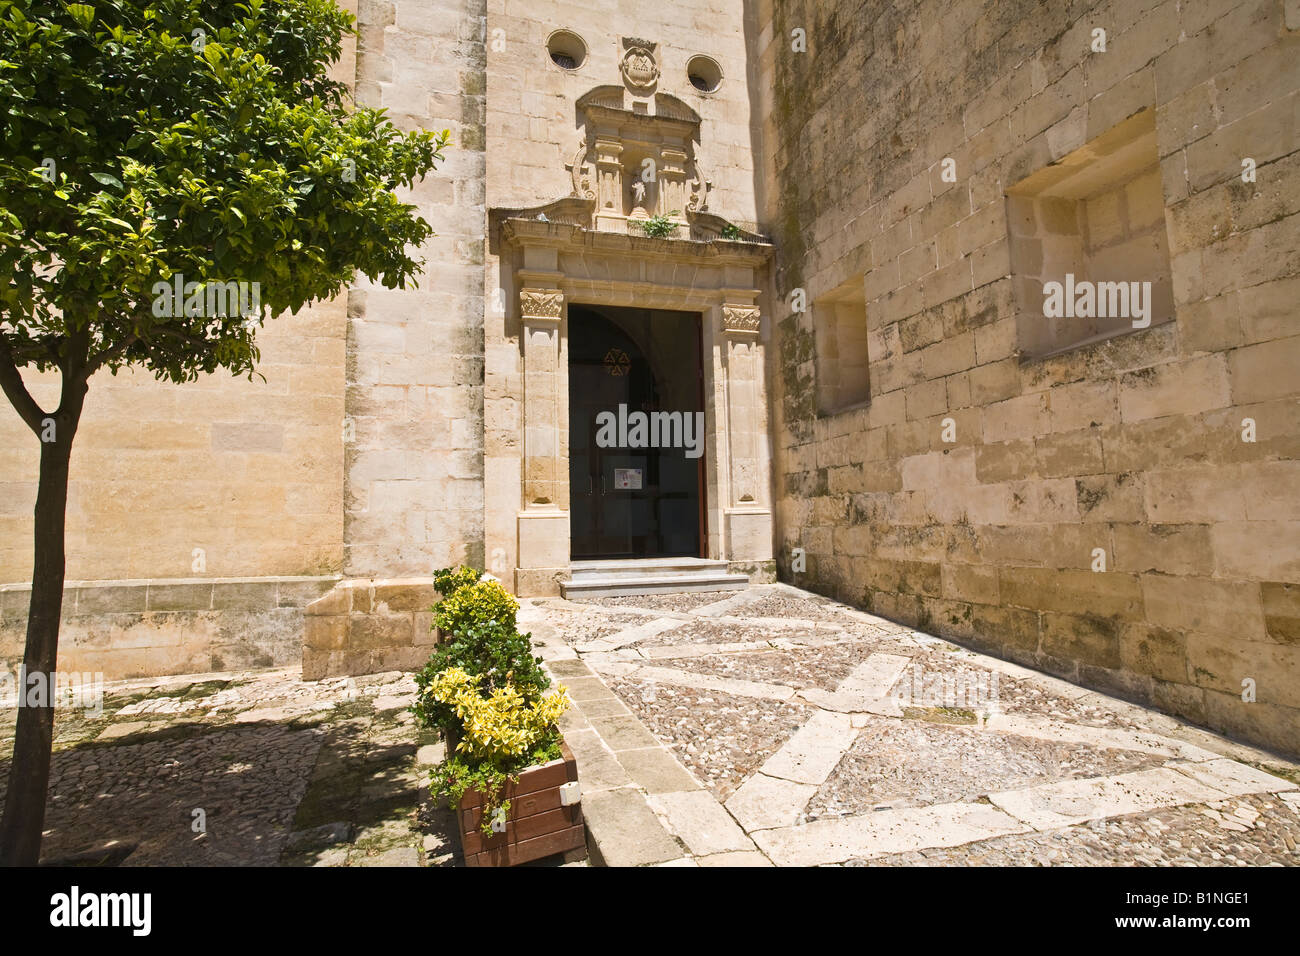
[471, 606]
[503, 726]
[501, 734]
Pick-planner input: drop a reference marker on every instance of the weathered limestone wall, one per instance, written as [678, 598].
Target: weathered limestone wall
[1130, 449]
[414, 473]
[413, 457]
[223, 477]
[163, 626]
[368, 627]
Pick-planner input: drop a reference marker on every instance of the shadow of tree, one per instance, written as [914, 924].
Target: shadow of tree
[186, 794]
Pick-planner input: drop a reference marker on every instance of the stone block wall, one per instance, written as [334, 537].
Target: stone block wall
[1124, 514]
[128, 629]
[367, 627]
[414, 394]
[223, 477]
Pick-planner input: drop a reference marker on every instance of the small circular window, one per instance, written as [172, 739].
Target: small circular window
[704, 73]
[566, 49]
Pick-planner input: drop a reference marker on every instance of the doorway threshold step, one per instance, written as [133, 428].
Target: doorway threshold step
[649, 576]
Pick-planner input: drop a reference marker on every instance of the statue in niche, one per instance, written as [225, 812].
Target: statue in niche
[639, 210]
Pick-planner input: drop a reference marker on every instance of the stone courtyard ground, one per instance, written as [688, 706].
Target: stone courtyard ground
[768, 726]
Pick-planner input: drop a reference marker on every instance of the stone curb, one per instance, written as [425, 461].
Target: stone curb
[643, 807]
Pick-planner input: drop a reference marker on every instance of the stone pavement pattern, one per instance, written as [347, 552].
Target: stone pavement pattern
[746, 728]
[773, 726]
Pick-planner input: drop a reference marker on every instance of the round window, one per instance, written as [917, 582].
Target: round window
[704, 73]
[566, 49]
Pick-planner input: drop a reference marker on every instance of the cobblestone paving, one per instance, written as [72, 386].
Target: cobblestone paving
[912, 763]
[1248, 831]
[1026, 697]
[251, 769]
[720, 737]
[821, 735]
[834, 737]
[592, 626]
[686, 601]
[822, 667]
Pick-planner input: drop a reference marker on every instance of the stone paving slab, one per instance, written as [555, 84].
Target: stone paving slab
[815, 749]
[1246, 831]
[624, 831]
[888, 831]
[656, 770]
[764, 802]
[701, 822]
[741, 688]
[631, 635]
[1147, 742]
[1085, 763]
[1078, 801]
[1233, 778]
[753, 858]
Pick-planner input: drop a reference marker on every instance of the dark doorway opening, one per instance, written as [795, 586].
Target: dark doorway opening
[635, 483]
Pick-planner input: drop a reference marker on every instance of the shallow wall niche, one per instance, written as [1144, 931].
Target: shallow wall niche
[840, 330]
[1094, 222]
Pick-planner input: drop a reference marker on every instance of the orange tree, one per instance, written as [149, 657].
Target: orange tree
[156, 145]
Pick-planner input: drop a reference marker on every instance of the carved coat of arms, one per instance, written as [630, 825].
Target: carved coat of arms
[640, 71]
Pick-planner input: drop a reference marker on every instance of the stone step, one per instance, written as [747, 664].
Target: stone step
[652, 576]
[637, 568]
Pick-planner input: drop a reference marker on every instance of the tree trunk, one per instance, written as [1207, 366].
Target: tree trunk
[29, 771]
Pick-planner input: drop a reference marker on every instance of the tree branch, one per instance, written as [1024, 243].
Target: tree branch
[11, 383]
[104, 356]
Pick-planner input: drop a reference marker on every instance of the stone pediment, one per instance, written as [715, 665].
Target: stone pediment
[607, 102]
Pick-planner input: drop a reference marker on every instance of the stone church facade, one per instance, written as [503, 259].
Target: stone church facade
[825, 228]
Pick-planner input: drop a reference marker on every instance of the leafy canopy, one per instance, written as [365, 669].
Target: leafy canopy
[143, 138]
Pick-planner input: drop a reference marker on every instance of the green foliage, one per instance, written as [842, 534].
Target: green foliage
[145, 138]
[482, 639]
[500, 693]
[473, 606]
[730, 231]
[493, 653]
[448, 581]
[660, 227]
[452, 778]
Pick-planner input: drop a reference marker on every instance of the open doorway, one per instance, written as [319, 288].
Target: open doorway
[636, 433]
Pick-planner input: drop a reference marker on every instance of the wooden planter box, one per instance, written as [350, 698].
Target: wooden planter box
[538, 825]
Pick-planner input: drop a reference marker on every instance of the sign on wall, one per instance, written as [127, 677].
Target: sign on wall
[627, 479]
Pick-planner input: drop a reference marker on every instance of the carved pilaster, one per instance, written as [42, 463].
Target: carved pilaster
[545, 305]
[609, 180]
[740, 325]
[541, 310]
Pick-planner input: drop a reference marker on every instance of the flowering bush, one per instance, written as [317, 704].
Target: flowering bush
[486, 691]
[449, 580]
[502, 727]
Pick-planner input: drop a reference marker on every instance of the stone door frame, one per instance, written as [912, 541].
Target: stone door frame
[545, 267]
